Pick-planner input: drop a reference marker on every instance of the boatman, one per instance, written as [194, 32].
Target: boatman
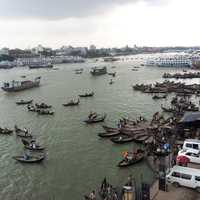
[126, 155]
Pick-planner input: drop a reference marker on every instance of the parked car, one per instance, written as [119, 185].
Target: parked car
[192, 154]
[184, 176]
[191, 144]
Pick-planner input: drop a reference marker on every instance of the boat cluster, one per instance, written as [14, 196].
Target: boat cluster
[168, 87]
[180, 105]
[138, 131]
[33, 152]
[188, 75]
[40, 109]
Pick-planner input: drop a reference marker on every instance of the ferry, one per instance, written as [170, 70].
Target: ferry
[15, 86]
[174, 62]
[98, 71]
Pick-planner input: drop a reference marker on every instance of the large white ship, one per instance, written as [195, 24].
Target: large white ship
[173, 61]
[179, 61]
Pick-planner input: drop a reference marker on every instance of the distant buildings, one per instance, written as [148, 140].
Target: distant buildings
[4, 51]
[68, 54]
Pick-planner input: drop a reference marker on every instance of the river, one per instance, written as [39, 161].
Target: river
[77, 159]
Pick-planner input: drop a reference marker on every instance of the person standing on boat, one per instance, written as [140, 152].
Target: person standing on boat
[119, 125]
[125, 155]
[25, 131]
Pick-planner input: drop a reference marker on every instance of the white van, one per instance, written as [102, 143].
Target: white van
[191, 144]
[184, 176]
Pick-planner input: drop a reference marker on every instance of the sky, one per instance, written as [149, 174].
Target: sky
[104, 23]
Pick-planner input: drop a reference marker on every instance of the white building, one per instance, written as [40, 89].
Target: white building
[4, 51]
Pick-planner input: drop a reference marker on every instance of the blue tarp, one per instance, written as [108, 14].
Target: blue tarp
[190, 117]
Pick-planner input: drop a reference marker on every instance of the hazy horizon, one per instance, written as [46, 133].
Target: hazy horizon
[105, 23]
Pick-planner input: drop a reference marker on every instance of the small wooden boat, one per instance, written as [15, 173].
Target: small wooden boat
[78, 72]
[32, 146]
[32, 108]
[5, 131]
[159, 97]
[98, 118]
[87, 95]
[72, 103]
[29, 159]
[112, 74]
[45, 112]
[19, 130]
[111, 82]
[122, 139]
[42, 106]
[109, 129]
[110, 134]
[23, 76]
[141, 138]
[133, 159]
[24, 102]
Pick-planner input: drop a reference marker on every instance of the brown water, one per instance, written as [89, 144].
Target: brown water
[77, 159]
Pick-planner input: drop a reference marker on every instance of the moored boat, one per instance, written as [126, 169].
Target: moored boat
[110, 134]
[109, 129]
[141, 138]
[122, 139]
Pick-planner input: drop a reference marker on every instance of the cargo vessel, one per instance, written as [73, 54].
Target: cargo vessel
[15, 86]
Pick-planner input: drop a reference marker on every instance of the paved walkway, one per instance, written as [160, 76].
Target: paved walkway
[180, 193]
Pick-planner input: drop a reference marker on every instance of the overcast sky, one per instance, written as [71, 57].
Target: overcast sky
[105, 23]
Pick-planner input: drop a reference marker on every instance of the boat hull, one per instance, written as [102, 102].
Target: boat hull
[20, 88]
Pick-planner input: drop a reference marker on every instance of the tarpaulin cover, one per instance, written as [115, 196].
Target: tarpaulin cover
[190, 117]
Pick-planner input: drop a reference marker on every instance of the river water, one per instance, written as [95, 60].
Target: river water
[77, 159]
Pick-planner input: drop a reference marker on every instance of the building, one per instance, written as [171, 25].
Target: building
[4, 51]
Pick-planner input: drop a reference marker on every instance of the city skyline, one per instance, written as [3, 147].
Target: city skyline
[103, 23]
